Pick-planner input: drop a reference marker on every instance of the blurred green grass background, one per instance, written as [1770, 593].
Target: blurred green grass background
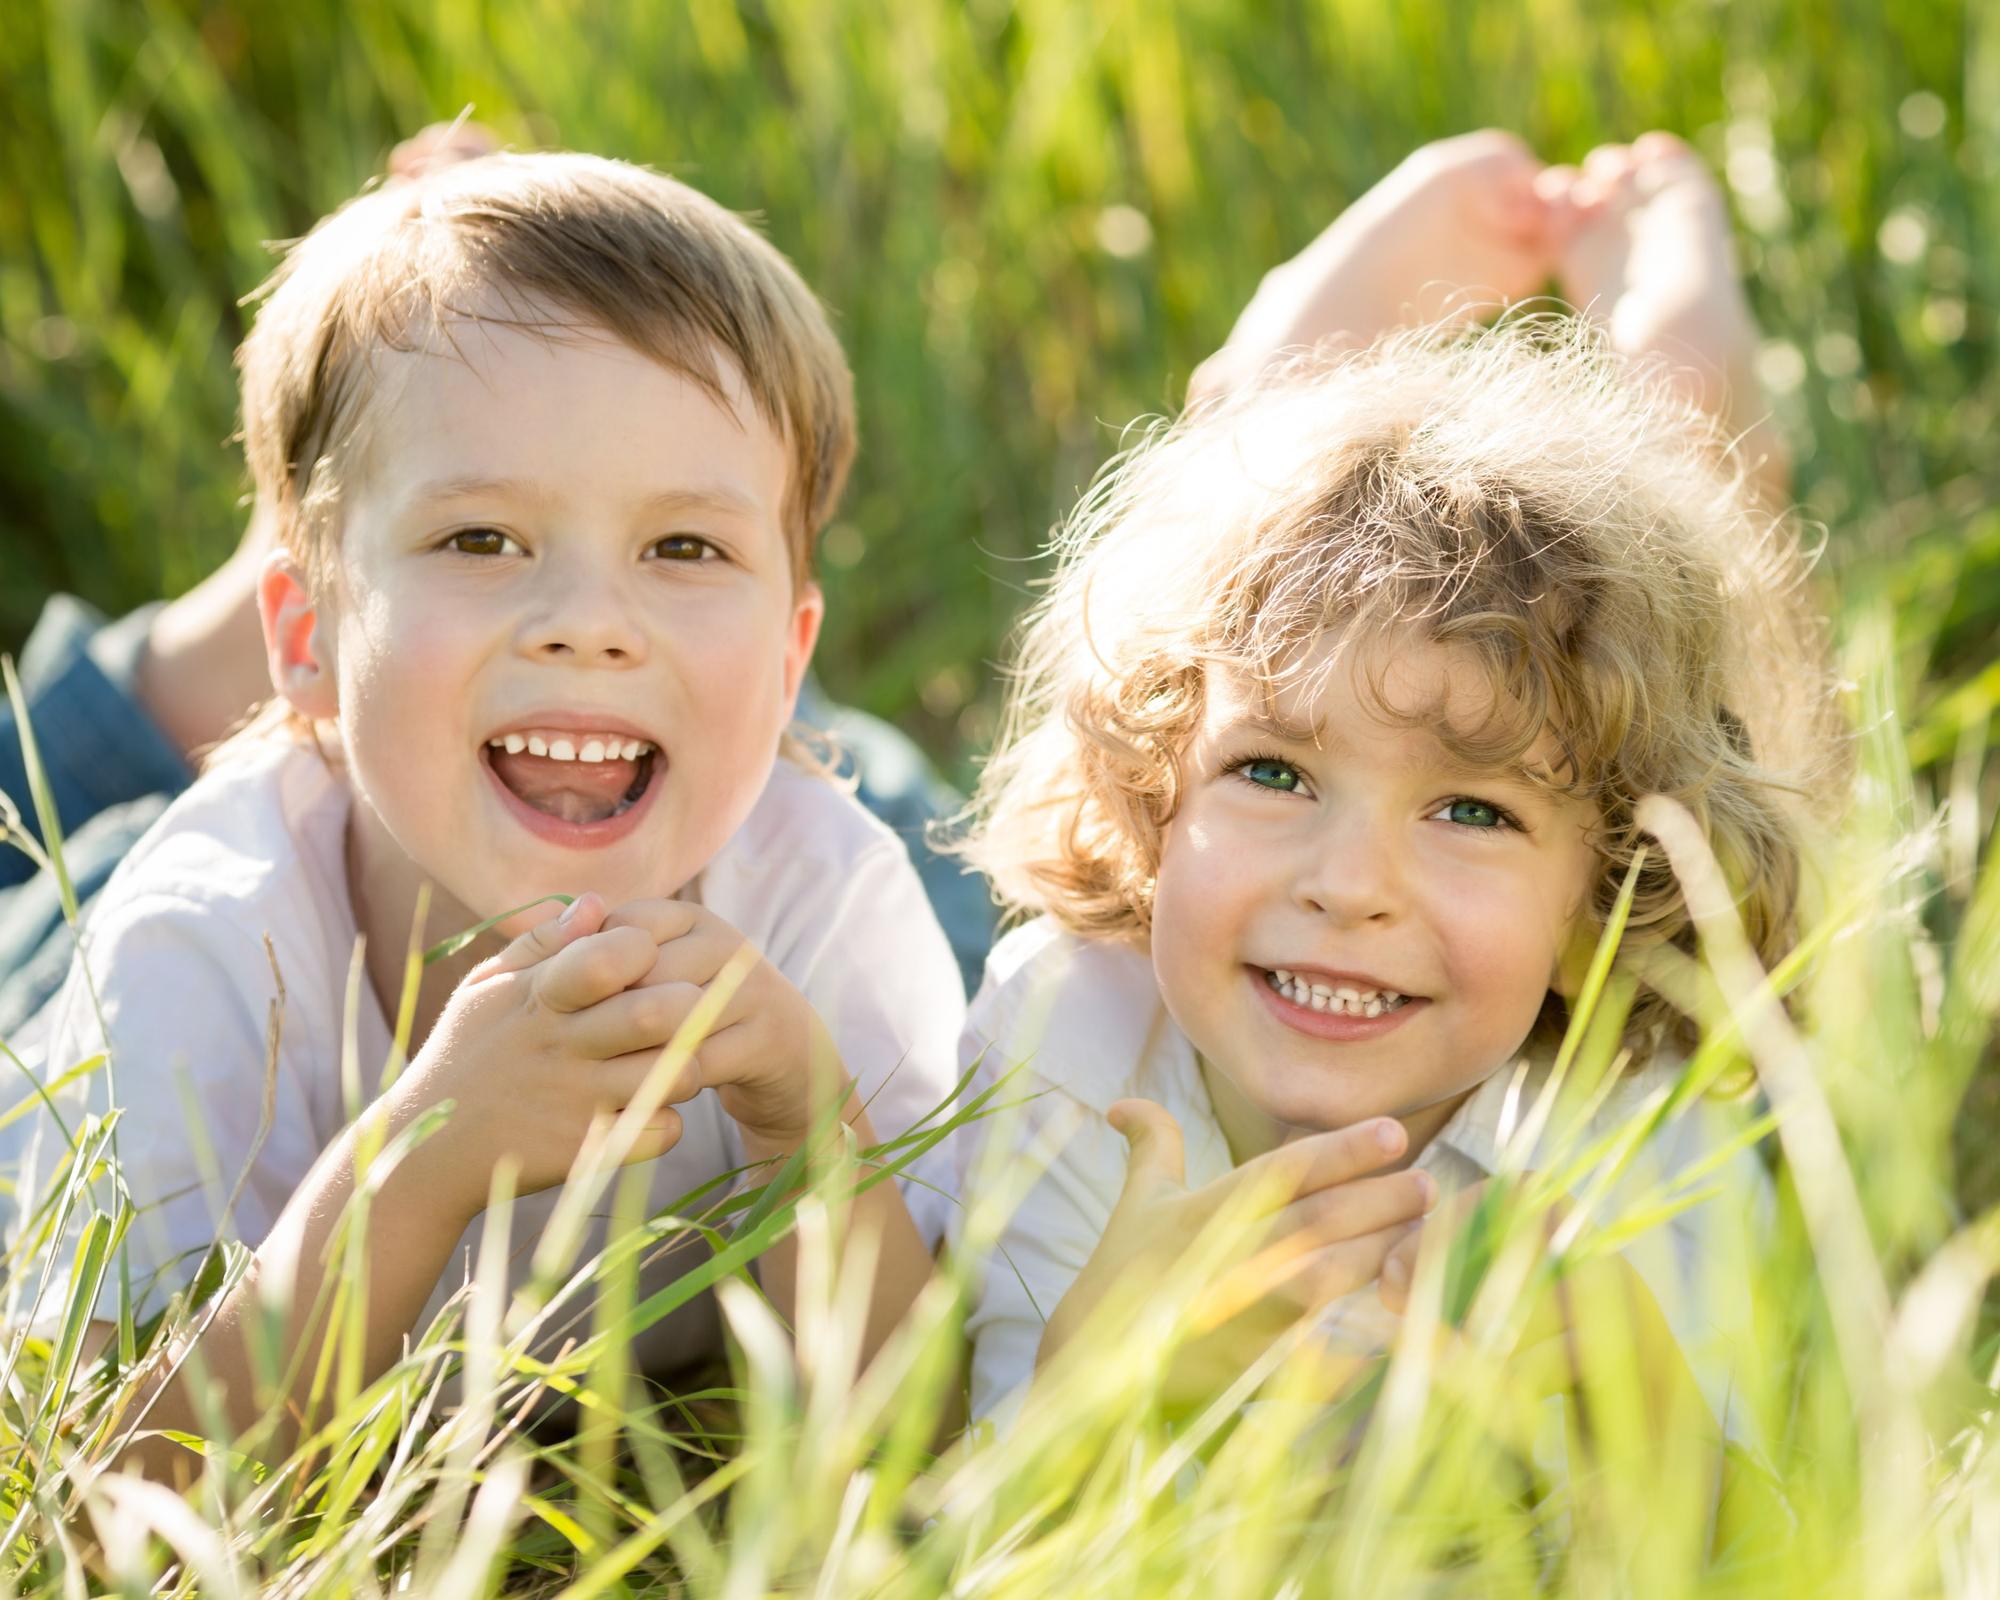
[1030, 221]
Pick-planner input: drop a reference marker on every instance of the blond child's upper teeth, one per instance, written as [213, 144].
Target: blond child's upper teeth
[1331, 997]
[572, 746]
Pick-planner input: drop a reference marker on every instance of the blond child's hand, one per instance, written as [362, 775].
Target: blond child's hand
[1435, 1232]
[532, 1051]
[1320, 1227]
[1599, 1305]
[1461, 226]
[766, 1053]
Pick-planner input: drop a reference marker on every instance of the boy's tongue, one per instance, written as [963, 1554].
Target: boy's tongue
[576, 791]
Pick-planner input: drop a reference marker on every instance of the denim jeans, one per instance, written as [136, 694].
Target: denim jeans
[895, 781]
[110, 772]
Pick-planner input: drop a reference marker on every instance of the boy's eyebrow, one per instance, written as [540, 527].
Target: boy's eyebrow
[1522, 776]
[705, 497]
[1513, 772]
[467, 488]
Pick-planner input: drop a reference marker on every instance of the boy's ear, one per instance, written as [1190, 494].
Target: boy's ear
[299, 652]
[807, 614]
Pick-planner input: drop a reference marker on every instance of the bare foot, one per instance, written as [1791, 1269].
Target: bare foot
[442, 144]
[1655, 265]
[1460, 228]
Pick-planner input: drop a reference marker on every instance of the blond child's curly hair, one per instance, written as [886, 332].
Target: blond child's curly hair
[1522, 494]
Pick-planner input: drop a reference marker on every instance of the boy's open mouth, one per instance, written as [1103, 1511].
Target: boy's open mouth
[577, 777]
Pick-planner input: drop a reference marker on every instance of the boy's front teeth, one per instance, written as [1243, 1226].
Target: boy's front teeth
[572, 748]
[1338, 999]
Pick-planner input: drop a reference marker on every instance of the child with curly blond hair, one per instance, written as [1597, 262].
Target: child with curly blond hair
[1320, 781]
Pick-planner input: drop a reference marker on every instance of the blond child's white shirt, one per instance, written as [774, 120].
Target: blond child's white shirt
[254, 851]
[1069, 1026]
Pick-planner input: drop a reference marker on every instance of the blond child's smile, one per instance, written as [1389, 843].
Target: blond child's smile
[1333, 1005]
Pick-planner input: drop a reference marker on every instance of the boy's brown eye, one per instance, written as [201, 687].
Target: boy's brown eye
[480, 542]
[683, 547]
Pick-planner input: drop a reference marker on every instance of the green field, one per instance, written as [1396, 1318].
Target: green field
[1030, 221]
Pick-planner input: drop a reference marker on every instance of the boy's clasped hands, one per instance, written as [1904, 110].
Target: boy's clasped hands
[565, 1028]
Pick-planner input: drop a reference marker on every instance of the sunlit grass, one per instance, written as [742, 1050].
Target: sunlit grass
[482, 1460]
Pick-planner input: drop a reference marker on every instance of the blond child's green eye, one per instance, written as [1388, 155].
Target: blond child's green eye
[1470, 813]
[1267, 772]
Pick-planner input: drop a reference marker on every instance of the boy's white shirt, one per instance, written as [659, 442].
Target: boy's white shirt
[1079, 1024]
[255, 850]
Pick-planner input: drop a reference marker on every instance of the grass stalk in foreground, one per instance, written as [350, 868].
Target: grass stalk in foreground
[515, 1445]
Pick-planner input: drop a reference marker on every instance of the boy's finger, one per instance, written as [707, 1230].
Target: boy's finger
[662, 919]
[1321, 1160]
[642, 1018]
[1300, 1272]
[695, 956]
[1339, 1269]
[582, 916]
[1438, 1229]
[593, 968]
[645, 1075]
[738, 1050]
[661, 1133]
[1156, 1157]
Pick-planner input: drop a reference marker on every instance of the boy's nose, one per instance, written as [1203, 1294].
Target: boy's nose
[587, 621]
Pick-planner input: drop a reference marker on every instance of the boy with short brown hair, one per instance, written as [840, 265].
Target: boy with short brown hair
[548, 439]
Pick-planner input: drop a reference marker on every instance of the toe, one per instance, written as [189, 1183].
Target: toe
[1608, 165]
[1566, 205]
[1666, 164]
[1606, 184]
[1556, 184]
[1659, 145]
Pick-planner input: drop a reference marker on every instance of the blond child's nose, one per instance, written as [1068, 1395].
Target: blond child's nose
[1349, 873]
